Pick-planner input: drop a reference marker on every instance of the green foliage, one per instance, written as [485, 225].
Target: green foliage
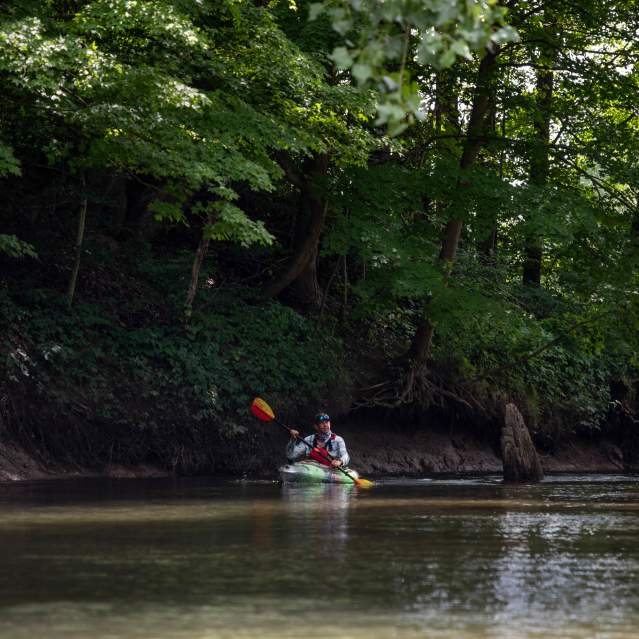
[13, 247]
[379, 36]
[565, 388]
[8, 163]
[153, 374]
[113, 86]
[231, 223]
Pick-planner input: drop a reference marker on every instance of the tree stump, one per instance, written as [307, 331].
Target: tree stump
[519, 457]
[630, 438]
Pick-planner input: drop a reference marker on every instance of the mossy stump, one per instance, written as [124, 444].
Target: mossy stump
[519, 457]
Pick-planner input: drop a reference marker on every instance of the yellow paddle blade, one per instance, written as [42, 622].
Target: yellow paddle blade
[364, 483]
[262, 410]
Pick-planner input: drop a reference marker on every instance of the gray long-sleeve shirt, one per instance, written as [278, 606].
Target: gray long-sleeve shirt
[296, 450]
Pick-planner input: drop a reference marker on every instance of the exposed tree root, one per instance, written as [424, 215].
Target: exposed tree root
[419, 386]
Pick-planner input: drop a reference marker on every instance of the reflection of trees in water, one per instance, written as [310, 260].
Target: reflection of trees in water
[539, 571]
[563, 566]
[443, 563]
[524, 566]
[262, 514]
[320, 513]
[517, 569]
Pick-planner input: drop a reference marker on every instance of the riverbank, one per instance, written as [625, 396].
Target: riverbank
[123, 385]
[375, 452]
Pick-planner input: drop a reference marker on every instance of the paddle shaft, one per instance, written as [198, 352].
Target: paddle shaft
[353, 479]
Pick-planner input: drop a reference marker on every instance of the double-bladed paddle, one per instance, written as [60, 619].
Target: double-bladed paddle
[265, 413]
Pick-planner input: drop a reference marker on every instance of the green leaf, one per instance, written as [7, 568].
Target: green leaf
[362, 72]
[341, 57]
[315, 9]
[8, 163]
[13, 247]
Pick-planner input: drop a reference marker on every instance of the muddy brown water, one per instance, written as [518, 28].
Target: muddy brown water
[446, 558]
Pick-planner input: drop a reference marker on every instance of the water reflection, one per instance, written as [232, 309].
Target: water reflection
[313, 497]
[320, 512]
[562, 569]
[441, 560]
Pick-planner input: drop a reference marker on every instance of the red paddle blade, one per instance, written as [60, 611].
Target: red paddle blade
[262, 410]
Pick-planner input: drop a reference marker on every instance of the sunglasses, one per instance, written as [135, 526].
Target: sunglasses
[322, 417]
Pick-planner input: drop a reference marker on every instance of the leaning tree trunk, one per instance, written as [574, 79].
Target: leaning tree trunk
[519, 457]
[306, 286]
[539, 157]
[198, 260]
[419, 350]
[79, 241]
[301, 270]
[487, 214]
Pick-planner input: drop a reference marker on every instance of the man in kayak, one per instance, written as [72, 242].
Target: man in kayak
[324, 447]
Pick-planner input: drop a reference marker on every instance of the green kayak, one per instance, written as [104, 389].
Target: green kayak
[313, 473]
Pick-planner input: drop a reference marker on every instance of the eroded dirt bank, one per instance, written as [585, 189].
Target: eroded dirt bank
[257, 452]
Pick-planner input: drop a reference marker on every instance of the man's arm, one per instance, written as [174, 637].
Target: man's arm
[296, 448]
[342, 453]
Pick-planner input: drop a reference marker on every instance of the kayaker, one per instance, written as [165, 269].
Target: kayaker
[324, 446]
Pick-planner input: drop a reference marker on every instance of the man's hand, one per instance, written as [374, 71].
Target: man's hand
[336, 462]
[294, 433]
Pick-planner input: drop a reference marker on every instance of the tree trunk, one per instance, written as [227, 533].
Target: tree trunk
[629, 439]
[79, 241]
[489, 246]
[539, 157]
[487, 215]
[138, 222]
[200, 254]
[532, 262]
[482, 106]
[306, 286]
[421, 342]
[519, 457]
[301, 271]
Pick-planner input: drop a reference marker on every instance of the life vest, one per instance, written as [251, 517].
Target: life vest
[321, 454]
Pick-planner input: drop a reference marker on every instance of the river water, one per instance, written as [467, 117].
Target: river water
[435, 559]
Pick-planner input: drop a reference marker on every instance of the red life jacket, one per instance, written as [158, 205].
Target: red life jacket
[321, 455]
